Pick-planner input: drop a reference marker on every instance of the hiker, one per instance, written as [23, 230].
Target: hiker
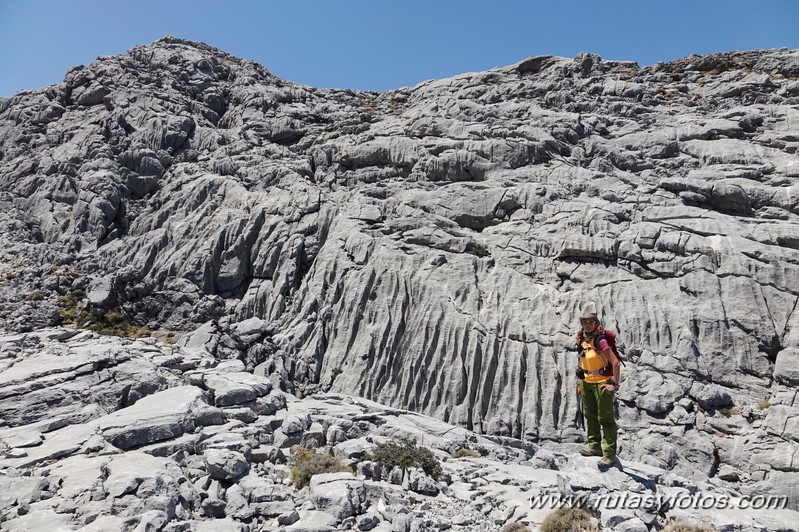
[598, 374]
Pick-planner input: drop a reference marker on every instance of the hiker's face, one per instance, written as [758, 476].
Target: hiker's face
[589, 326]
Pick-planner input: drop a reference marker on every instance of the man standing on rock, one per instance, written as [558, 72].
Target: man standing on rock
[599, 374]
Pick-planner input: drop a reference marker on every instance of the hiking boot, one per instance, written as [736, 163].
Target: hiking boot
[606, 462]
[591, 451]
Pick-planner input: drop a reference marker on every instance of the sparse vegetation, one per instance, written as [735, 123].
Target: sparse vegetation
[35, 296]
[762, 405]
[465, 452]
[515, 527]
[166, 336]
[567, 519]
[406, 454]
[731, 411]
[307, 462]
[109, 323]
[396, 106]
[112, 323]
[69, 306]
[63, 271]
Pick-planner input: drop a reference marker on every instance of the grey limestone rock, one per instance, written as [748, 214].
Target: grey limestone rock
[338, 494]
[288, 518]
[429, 248]
[224, 464]
[314, 521]
[418, 481]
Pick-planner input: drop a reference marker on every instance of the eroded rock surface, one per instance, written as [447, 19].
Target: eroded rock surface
[429, 248]
[173, 461]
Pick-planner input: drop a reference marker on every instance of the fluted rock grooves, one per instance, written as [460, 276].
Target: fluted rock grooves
[431, 247]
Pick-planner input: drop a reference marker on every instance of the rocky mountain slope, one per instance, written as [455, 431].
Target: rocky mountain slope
[142, 435]
[430, 248]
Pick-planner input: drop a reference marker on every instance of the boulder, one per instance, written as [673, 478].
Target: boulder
[338, 494]
[225, 465]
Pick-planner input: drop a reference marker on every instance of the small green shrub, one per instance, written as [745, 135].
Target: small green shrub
[306, 463]
[406, 454]
[109, 323]
[69, 305]
[71, 300]
[727, 412]
[682, 527]
[465, 452]
[58, 270]
[762, 405]
[112, 323]
[515, 527]
[568, 519]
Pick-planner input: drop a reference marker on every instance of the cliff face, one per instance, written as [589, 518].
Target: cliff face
[431, 247]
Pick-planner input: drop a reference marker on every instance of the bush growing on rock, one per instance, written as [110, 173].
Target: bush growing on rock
[406, 454]
[112, 323]
[35, 296]
[69, 305]
[108, 323]
[515, 527]
[567, 519]
[306, 463]
[465, 452]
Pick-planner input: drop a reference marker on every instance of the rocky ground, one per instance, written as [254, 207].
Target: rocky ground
[428, 248]
[104, 433]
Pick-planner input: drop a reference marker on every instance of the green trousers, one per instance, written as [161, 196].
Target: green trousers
[599, 418]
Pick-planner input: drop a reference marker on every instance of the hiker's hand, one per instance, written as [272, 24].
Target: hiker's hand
[580, 374]
[609, 388]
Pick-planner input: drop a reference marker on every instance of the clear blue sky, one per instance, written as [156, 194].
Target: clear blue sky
[381, 44]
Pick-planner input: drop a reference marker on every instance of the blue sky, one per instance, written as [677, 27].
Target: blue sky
[381, 44]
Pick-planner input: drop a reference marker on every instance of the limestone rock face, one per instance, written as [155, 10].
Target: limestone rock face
[430, 247]
[175, 460]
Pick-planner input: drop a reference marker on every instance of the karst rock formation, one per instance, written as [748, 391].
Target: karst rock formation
[427, 248]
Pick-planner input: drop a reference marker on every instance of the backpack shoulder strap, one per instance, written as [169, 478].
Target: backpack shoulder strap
[600, 335]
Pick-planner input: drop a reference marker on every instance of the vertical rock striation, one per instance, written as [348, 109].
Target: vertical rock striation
[431, 247]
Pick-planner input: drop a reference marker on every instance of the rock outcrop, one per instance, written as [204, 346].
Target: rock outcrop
[171, 460]
[429, 248]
